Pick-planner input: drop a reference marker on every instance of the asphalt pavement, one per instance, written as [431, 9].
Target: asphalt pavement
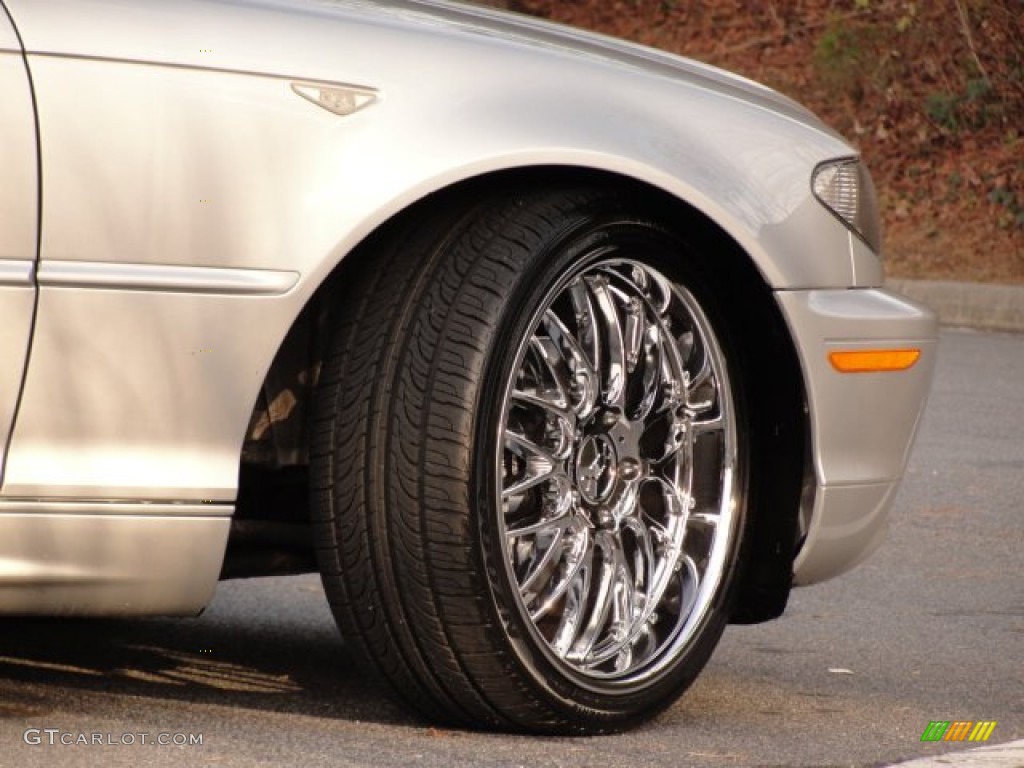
[930, 628]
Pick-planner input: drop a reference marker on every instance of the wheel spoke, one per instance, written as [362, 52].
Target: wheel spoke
[691, 588]
[678, 503]
[523, 446]
[542, 471]
[626, 502]
[644, 563]
[603, 595]
[652, 375]
[586, 321]
[577, 556]
[633, 330]
[621, 610]
[550, 356]
[582, 378]
[710, 424]
[545, 404]
[663, 369]
[578, 591]
[614, 378]
[707, 519]
[678, 440]
[552, 553]
[537, 476]
[697, 382]
[546, 525]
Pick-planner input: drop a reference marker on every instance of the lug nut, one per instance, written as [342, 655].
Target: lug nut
[629, 469]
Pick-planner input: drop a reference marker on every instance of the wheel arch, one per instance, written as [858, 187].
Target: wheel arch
[272, 481]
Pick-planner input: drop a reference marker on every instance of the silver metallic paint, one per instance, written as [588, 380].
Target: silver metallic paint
[231, 170]
[17, 273]
[187, 122]
[19, 204]
[8, 37]
[848, 523]
[104, 559]
[147, 398]
[173, 142]
[863, 424]
[165, 277]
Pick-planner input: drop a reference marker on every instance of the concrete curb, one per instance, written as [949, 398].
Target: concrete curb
[974, 305]
[1009, 755]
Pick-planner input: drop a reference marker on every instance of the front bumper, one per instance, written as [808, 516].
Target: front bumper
[862, 425]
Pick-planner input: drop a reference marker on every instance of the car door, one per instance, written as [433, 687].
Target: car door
[170, 216]
[19, 221]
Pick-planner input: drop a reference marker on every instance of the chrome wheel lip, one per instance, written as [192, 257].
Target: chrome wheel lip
[588, 525]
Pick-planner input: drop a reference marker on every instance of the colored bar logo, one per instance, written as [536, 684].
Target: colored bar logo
[958, 730]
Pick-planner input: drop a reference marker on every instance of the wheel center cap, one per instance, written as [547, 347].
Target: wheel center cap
[596, 468]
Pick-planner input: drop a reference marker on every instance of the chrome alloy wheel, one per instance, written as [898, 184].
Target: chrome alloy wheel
[617, 458]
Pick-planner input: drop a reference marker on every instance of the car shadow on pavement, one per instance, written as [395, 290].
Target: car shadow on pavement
[280, 666]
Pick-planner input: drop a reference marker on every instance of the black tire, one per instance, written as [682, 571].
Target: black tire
[431, 538]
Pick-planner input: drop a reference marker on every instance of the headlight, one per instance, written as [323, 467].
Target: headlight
[845, 188]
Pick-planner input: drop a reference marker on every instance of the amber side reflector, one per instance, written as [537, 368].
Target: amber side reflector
[873, 360]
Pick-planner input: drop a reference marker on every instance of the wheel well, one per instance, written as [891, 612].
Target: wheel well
[272, 515]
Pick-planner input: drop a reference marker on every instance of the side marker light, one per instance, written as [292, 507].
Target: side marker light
[873, 360]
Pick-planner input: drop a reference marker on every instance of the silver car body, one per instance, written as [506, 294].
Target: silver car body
[187, 197]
